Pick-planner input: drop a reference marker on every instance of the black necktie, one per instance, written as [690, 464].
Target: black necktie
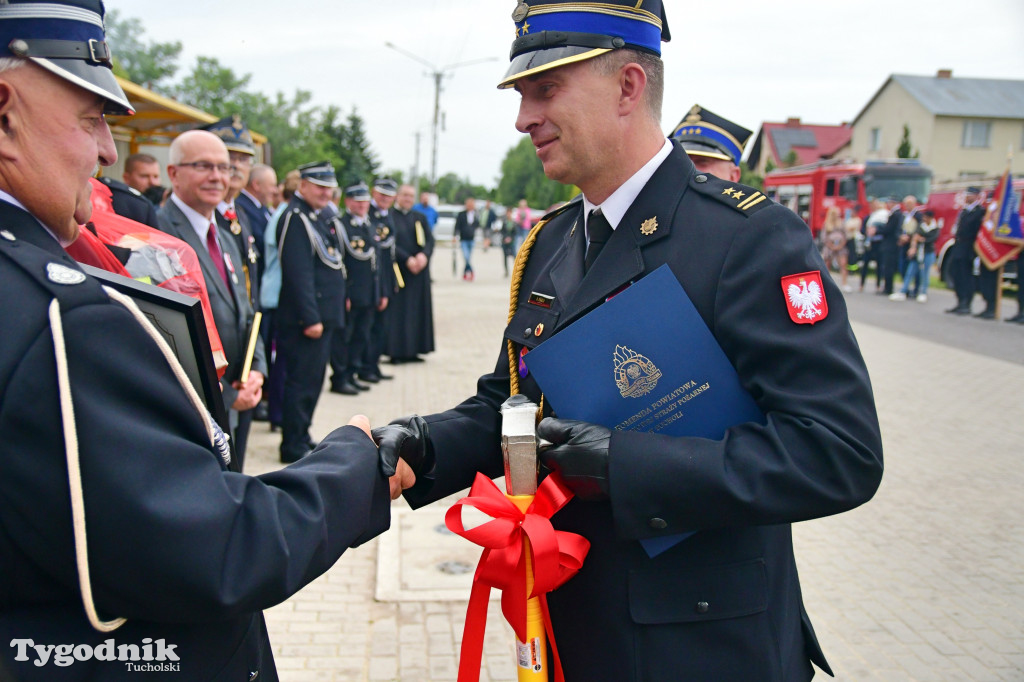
[598, 230]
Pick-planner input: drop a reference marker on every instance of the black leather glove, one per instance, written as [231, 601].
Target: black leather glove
[406, 438]
[579, 453]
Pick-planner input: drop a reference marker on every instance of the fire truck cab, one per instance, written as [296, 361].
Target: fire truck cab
[810, 190]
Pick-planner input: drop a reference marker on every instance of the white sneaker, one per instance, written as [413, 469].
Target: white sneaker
[922, 298]
[898, 296]
[847, 288]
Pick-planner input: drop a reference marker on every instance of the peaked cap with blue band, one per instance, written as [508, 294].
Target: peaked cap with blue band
[67, 39]
[705, 133]
[552, 33]
[234, 133]
[319, 173]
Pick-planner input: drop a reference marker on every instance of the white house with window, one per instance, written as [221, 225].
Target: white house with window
[961, 127]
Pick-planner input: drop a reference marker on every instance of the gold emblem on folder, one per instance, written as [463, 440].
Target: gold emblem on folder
[649, 227]
[635, 375]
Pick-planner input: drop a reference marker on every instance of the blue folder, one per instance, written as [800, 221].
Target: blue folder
[644, 361]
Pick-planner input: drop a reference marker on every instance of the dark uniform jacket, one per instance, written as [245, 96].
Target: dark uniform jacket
[359, 241]
[312, 270]
[130, 203]
[252, 262]
[968, 224]
[185, 550]
[231, 307]
[384, 241]
[724, 604]
[256, 216]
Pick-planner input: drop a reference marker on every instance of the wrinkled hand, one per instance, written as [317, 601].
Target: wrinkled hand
[579, 453]
[406, 439]
[249, 393]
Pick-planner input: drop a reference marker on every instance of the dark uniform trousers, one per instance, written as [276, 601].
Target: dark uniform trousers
[306, 360]
[184, 549]
[725, 604]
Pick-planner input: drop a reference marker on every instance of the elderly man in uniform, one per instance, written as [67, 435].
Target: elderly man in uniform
[723, 604]
[311, 304]
[120, 526]
[382, 199]
[714, 144]
[241, 152]
[199, 168]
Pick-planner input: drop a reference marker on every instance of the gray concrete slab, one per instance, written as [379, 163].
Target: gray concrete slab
[923, 583]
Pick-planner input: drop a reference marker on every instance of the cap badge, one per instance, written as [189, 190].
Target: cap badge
[520, 12]
[805, 297]
[649, 227]
[62, 274]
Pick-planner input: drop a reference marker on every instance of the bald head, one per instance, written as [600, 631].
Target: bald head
[199, 169]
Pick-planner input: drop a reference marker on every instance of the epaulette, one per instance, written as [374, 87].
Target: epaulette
[575, 201]
[747, 200]
[118, 186]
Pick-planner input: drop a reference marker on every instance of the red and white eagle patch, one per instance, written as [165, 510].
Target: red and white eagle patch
[805, 297]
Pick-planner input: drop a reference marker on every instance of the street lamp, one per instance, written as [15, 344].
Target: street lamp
[437, 74]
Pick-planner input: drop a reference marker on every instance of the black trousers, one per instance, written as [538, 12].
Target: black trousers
[961, 267]
[890, 260]
[378, 339]
[306, 360]
[348, 349]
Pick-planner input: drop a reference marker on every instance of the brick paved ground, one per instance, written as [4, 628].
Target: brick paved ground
[923, 583]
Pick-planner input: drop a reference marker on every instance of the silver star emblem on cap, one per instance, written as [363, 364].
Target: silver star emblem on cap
[62, 274]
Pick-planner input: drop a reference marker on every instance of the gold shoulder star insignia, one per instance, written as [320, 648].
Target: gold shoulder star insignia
[737, 194]
[727, 191]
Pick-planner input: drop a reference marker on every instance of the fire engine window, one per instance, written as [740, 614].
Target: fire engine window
[848, 188]
[830, 187]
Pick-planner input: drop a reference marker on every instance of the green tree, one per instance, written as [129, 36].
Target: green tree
[791, 159]
[214, 88]
[769, 165]
[903, 151]
[348, 144]
[750, 178]
[522, 176]
[145, 63]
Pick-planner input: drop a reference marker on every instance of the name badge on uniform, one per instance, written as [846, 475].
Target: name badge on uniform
[542, 300]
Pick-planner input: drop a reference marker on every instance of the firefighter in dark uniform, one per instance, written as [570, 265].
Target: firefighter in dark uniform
[382, 199]
[962, 255]
[130, 203]
[119, 520]
[725, 603]
[357, 234]
[311, 308]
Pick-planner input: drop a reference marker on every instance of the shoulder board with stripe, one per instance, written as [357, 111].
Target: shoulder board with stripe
[743, 198]
[572, 203]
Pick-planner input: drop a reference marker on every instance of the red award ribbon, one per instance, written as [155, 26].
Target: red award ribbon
[557, 556]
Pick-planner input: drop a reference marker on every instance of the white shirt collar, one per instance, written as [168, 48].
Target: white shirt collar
[616, 205]
[253, 199]
[199, 223]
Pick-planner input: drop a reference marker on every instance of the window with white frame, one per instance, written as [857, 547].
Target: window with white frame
[875, 140]
[976, 134]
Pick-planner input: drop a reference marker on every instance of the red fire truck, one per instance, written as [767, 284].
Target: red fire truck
[946, 200]
[810, 190]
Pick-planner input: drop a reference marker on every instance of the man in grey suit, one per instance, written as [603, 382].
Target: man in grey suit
[198, 169]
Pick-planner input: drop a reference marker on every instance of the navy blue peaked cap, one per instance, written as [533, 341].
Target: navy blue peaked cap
[234, 133]
[552, 33]
[67, 39]
[705, 133]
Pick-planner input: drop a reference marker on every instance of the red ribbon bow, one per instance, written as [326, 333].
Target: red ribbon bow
[231, 215]
[557, 556]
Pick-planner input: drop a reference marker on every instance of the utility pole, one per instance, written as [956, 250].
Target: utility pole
[437, 74]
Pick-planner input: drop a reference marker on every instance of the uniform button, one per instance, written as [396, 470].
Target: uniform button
[702, 607]
[701, 178]
[658, 524]
[527, 333]
[9, 236]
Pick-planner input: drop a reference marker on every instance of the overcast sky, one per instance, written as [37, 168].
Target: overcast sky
[748, 60]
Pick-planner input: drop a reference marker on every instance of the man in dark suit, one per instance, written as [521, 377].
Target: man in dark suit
[466, 224]
[894, 236]
[382, 199]
[253, 200]
[154, 545]
[412, 313]
[198, 169]
[725, 603]
[962, 255]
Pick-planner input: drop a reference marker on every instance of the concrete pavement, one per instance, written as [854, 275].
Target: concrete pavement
[923, 583]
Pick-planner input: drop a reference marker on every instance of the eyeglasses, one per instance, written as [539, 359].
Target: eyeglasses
[207, 167]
